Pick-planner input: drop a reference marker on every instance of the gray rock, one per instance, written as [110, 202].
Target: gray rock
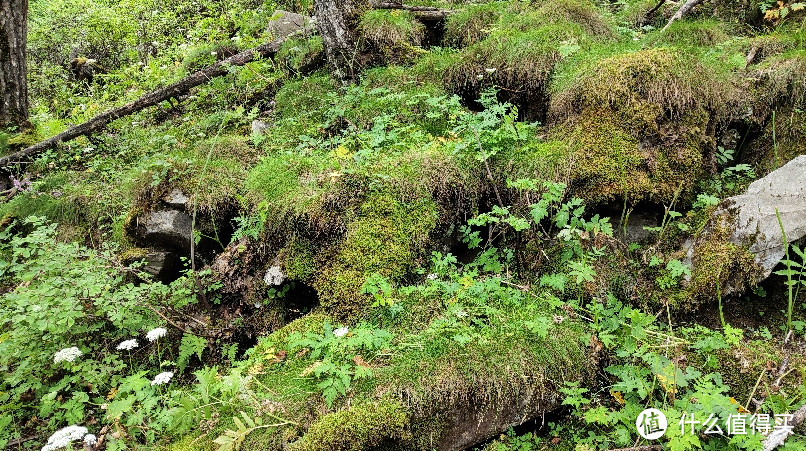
[259, 127]
[752, 220]
[176, 199]
[635, 231]
[287, 23]
[165, 266]
[165, 228]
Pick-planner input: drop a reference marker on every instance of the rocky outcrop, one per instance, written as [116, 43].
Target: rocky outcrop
[287, 23]
[165, 228]
[752, 222]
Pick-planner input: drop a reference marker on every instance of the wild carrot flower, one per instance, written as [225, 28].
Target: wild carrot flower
[341, 331]
[162, 378]
[67, 355]
[155, 334]
[63, 437]
[90, 440]
[128, 345]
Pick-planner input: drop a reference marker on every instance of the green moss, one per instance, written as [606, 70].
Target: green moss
[581, 12]
[299, 260]
[395, 33]
[298, 53]
[472, 24]
[519, 63]
[781, 81]
[361, 427]
[523, 58]
[672, 80]
[431, 66]
[781, 140]
[640, 122]
[633, 13]
[387, 237]
[718, 262]
[685, 33]
[285, 182]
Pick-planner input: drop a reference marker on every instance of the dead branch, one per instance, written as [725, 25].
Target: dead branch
[687, 6]
[778, 436]
[174, 90]
[651, 13]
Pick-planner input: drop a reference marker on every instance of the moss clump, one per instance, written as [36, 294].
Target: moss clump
[300, 54]
[686, 33]
[361, 427]
[781, 140]
[396, 34]
[719, 264]
[472, 24]
[640, 123]
[387, 237]
[518, 62]
[780, 81]
[674, 81]
[581, 12]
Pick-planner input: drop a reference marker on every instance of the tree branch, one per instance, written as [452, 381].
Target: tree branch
[97, 123]
[687, 6]
[778, 436]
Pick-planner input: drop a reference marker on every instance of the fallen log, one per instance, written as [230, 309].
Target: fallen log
[153, 98]
[779, 435]
[684, 9]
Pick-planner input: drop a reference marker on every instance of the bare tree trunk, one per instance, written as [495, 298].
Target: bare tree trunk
[13, 67]
[337, 21]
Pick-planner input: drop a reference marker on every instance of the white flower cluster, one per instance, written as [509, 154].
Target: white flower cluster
[67, 355]
[162, 378]
[90, 439]
[341, 331]
[156, 333]
[128, 345]
[63, 437]
[274, 276]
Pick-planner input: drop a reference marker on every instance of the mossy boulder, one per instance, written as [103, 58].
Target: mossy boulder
[360, 427]
[393, 34]
[640, 123]
[744, 238]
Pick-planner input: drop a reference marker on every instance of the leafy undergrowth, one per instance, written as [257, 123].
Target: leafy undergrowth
[443, 223]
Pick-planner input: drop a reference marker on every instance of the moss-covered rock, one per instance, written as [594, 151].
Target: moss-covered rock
[361, 427]
[641, 123]
[394, 34]
[520, 63]
[472, 24]
[387, 237]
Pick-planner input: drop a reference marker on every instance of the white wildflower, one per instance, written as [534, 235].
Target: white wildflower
[90, 439]
[274, 276]
[480, 76]
[162, 378]
[490, 70]
[128, 345]
[432, 276]
[63, 437]
[67, 355]
[341, 331]
[156, 333]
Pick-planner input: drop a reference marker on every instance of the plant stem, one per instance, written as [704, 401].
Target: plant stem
[788, 264]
